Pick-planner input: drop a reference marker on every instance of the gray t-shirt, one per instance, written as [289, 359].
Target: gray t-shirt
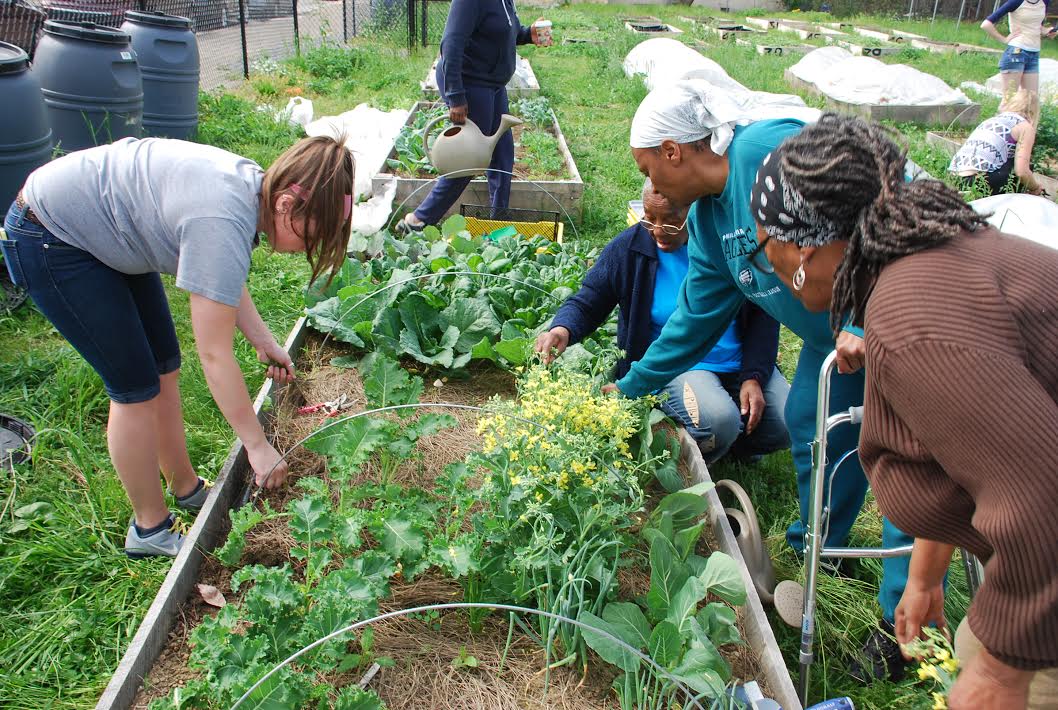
[155, 205]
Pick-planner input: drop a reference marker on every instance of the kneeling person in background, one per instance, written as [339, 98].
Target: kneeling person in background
[730, 402]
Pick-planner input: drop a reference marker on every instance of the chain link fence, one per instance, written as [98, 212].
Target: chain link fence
[237, 36]
[916, 9]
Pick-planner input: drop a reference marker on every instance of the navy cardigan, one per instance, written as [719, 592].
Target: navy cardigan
[478, 46]
[624, 276]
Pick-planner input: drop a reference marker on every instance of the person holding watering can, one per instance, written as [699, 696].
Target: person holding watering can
[478, 58]
[88, 236]
[698, 146]
[960, 427]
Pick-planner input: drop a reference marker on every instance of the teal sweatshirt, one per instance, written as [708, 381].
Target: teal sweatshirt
[720, 277]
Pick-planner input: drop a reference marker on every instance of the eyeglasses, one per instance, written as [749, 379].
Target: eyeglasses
[759, 258]
[669, 229]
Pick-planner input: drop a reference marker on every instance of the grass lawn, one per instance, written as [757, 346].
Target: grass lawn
[71, 599]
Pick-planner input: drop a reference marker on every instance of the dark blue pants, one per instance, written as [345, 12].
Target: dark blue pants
[119, 323]
[485, 105]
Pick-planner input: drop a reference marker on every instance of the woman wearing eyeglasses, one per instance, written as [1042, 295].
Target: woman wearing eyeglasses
[732, 399]
[696, 149]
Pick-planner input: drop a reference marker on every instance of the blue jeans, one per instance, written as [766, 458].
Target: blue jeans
[720, 426]
[850, 484]
[485, 106]
[1019, 61]
[119, 323]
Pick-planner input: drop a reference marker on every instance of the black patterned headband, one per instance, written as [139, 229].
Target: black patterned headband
[783, 212]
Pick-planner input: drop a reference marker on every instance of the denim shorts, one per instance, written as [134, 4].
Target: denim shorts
[119, 323]
[1018, 60]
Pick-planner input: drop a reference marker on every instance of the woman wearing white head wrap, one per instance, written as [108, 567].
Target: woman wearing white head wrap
[702, 145]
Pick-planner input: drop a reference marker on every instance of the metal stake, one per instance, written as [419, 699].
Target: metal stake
[242, 33]
[297, 34]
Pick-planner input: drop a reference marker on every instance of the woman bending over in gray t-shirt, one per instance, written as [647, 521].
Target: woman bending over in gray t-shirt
[89, 235]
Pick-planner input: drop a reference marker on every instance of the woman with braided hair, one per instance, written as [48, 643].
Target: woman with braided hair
[702, 145]
[960, 431]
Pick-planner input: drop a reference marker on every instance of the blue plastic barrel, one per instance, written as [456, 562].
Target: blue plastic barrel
[25, 134]
[91, 84]
[167, 53]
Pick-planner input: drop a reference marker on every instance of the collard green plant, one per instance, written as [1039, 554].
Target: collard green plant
[444, 298]
[670, 627]
[535, 110]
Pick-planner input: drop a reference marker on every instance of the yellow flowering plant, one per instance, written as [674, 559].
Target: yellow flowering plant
[560, 488]
[937, 662]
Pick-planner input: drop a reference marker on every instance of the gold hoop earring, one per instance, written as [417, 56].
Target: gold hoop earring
[799, 277]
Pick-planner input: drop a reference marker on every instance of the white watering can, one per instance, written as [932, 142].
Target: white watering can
[464, 150]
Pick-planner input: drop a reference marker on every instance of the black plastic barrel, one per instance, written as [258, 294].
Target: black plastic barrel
[91, 84]
[167, 52]
[25, 134]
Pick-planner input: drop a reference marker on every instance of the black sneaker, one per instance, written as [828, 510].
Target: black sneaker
[880, 657]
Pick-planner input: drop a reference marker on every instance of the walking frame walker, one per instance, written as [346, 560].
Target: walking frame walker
[816, 526]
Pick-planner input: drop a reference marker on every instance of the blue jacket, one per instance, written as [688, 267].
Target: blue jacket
[624, 276]
[478, 46]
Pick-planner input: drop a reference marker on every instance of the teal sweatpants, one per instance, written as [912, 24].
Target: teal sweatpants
[850, 485]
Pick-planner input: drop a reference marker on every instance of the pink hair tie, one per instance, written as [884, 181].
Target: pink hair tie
[303, 194]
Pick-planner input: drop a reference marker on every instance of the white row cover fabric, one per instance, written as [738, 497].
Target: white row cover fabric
[862, 80]
[1048, 82]
[662, 61]
[1026, 216]
[523, 78]
[369, 135]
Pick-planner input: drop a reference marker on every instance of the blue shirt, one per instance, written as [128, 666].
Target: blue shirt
[720, 277]
[726, 356]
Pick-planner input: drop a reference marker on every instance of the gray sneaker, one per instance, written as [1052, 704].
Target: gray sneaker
[160, 541]
[194, 500]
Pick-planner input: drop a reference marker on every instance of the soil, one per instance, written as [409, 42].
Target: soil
[523, 163]
[423, 648]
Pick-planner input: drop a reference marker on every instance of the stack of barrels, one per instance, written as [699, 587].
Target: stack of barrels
[90, 84]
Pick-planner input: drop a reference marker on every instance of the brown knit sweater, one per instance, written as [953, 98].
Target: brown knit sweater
[960, 432]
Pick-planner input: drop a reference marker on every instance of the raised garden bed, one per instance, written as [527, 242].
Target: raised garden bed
[870, 49]
[938, 47]
[524, 82]
[763, 23]
[567, 188]
[900, 34]
[778, 50]
[390, 512]
[876, 33]
[733, 31]
[947, 141]
[806, 30]
[432, 659]
[652, 28]
[948, 114]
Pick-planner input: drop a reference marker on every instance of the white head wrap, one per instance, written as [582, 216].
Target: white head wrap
[692, 109]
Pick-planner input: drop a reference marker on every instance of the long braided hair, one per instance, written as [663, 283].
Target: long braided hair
[850, 171]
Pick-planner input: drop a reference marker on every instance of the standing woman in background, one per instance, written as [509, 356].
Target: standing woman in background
[478, 58]
[1020, 63]
[90, 233]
